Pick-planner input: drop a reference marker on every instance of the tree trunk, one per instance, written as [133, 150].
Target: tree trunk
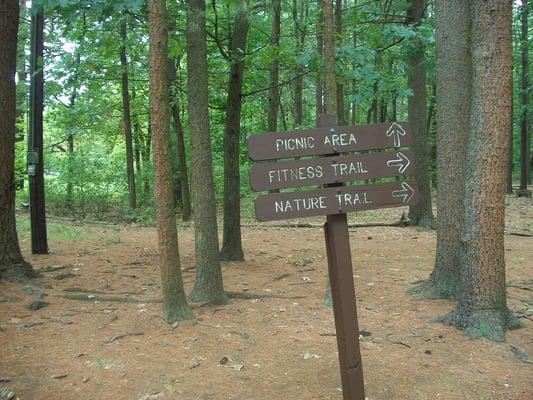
[482, 308]
[319, 86]
[375, 100]
[329, 59]
[12, 264]
[175, 305]
[453, 77]
[146, 149]
[70, 135]
[299, 16]
[330, 85]
[524, 142]
[273, 92]
[182, 157]
[341, 112]
[126, 120]
[39, 240]
[231, 244]
[421, 213]
[510, 160]
[208, 285]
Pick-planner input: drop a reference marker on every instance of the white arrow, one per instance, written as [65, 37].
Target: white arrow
[406, 192]
[395, 130]
[402, 162]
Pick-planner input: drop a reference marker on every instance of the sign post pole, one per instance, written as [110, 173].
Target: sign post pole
[343, 295]
[333, 167]
[344, 306]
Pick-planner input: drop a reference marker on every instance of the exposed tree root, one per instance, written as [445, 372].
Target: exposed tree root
[488, 323]
[20, 272]
[201, 296]
[428, 290]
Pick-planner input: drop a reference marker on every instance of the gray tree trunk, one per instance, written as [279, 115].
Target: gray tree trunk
[175, 305]
[453, 77]
[482, 308]
[208, 285]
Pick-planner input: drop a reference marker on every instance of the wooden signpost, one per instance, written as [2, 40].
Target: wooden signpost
[334, 200]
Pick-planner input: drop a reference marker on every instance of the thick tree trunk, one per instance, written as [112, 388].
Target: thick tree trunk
[175, 305]
[453, 77]
[420, 214]
[126, 120]
[12, 264]
[39, 239]
[273, 68]
[524, 142]
[208, 285]
[231, 244]
[482, 308]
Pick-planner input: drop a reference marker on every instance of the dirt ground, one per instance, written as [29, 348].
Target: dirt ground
[275, 348]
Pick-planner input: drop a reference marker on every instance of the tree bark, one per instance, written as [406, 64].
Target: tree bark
[299, 16]
[70, 135]
[330, 86]
[319, 85]
[39, 240]
[231, 244]
[126, 119]
[510, 160]
[273, 68]
[341, 112]
[482, 308]
[175, 305]
[208, 285]
[329, 58]
[420, 214]
[453, 78]
[524, 142]
[182, 156]
[12, 264]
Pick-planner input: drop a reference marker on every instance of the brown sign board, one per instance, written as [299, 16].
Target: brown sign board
[322, 141]
[335, 169]
[335, 200]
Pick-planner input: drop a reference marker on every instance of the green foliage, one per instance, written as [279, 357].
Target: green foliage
[83, 86]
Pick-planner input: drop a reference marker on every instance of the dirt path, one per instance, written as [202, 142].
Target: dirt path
[271, 348]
